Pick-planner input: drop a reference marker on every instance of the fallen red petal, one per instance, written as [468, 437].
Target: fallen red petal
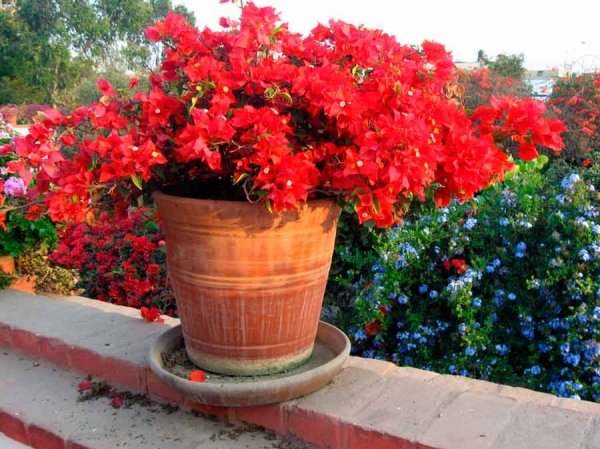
[197, 376]
[116, 402]
[84, 385]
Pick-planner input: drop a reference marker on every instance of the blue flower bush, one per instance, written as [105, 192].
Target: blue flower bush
[505, 288]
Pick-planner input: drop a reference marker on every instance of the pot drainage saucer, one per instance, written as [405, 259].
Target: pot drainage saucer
[169, 362]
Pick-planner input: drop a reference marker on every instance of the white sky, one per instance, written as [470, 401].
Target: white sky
[550, 33]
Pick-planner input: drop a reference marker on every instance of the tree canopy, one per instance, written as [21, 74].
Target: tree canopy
[48, 46]
[510, 66]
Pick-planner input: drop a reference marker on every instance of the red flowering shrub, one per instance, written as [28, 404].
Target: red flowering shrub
[576, 101]
[260, 113]
[120, 261]
[480, 85]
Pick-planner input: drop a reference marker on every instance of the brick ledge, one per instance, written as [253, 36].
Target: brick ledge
[369, 404]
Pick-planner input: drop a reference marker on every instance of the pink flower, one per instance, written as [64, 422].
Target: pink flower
[15, 186]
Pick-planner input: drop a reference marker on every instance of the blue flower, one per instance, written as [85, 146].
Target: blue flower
[572, 359]
[544, 348]
[369, 354]
[359, 335]
[462, 328]
[502, 349]
[512, 296]
[520, 249]
[534, 370]
[433, 294]
[470, 223]
[476, 302]
[525, 224]
[470, 351]
[423, 289]
[402, 299]
[528, 332]
[584, 255]
[504, 222]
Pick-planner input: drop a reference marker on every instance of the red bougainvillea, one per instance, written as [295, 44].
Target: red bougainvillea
[120, 261]
[260, 113]
[576, 101]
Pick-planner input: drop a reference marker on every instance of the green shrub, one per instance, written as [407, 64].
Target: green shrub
[506, 288]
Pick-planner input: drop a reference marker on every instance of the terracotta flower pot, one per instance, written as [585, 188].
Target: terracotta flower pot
[7, 264]
[25, 284]
[249, 284]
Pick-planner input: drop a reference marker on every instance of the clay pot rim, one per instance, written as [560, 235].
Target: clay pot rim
[310, 203]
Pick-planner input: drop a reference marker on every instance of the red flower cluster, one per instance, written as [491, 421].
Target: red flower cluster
[120, 261]
[458, 264]
[576, 101]
[151, 314]
[279, 118]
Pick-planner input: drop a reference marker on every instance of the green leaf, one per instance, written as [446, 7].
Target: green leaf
[137, 181]
[349, 208]
[287, 96]
[241, 178]
[123, 191]
[270, 92]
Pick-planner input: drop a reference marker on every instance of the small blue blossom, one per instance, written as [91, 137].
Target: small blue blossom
[572, 359]
[504, 222]
[544, 348]
[433, 294]
[502, 349]
[534, 370]
[470, 351]
[584, 256]
[423, 289]
[359, 335]
[470, 223]
[525, 224]
[402, 299]
[520, 249]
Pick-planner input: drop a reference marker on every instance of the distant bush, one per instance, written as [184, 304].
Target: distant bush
[576, 101]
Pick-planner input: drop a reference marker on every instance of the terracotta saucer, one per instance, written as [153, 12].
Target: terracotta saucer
[332, 348]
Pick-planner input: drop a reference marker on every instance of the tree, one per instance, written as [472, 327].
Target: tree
[47, 46]
[510, 66]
